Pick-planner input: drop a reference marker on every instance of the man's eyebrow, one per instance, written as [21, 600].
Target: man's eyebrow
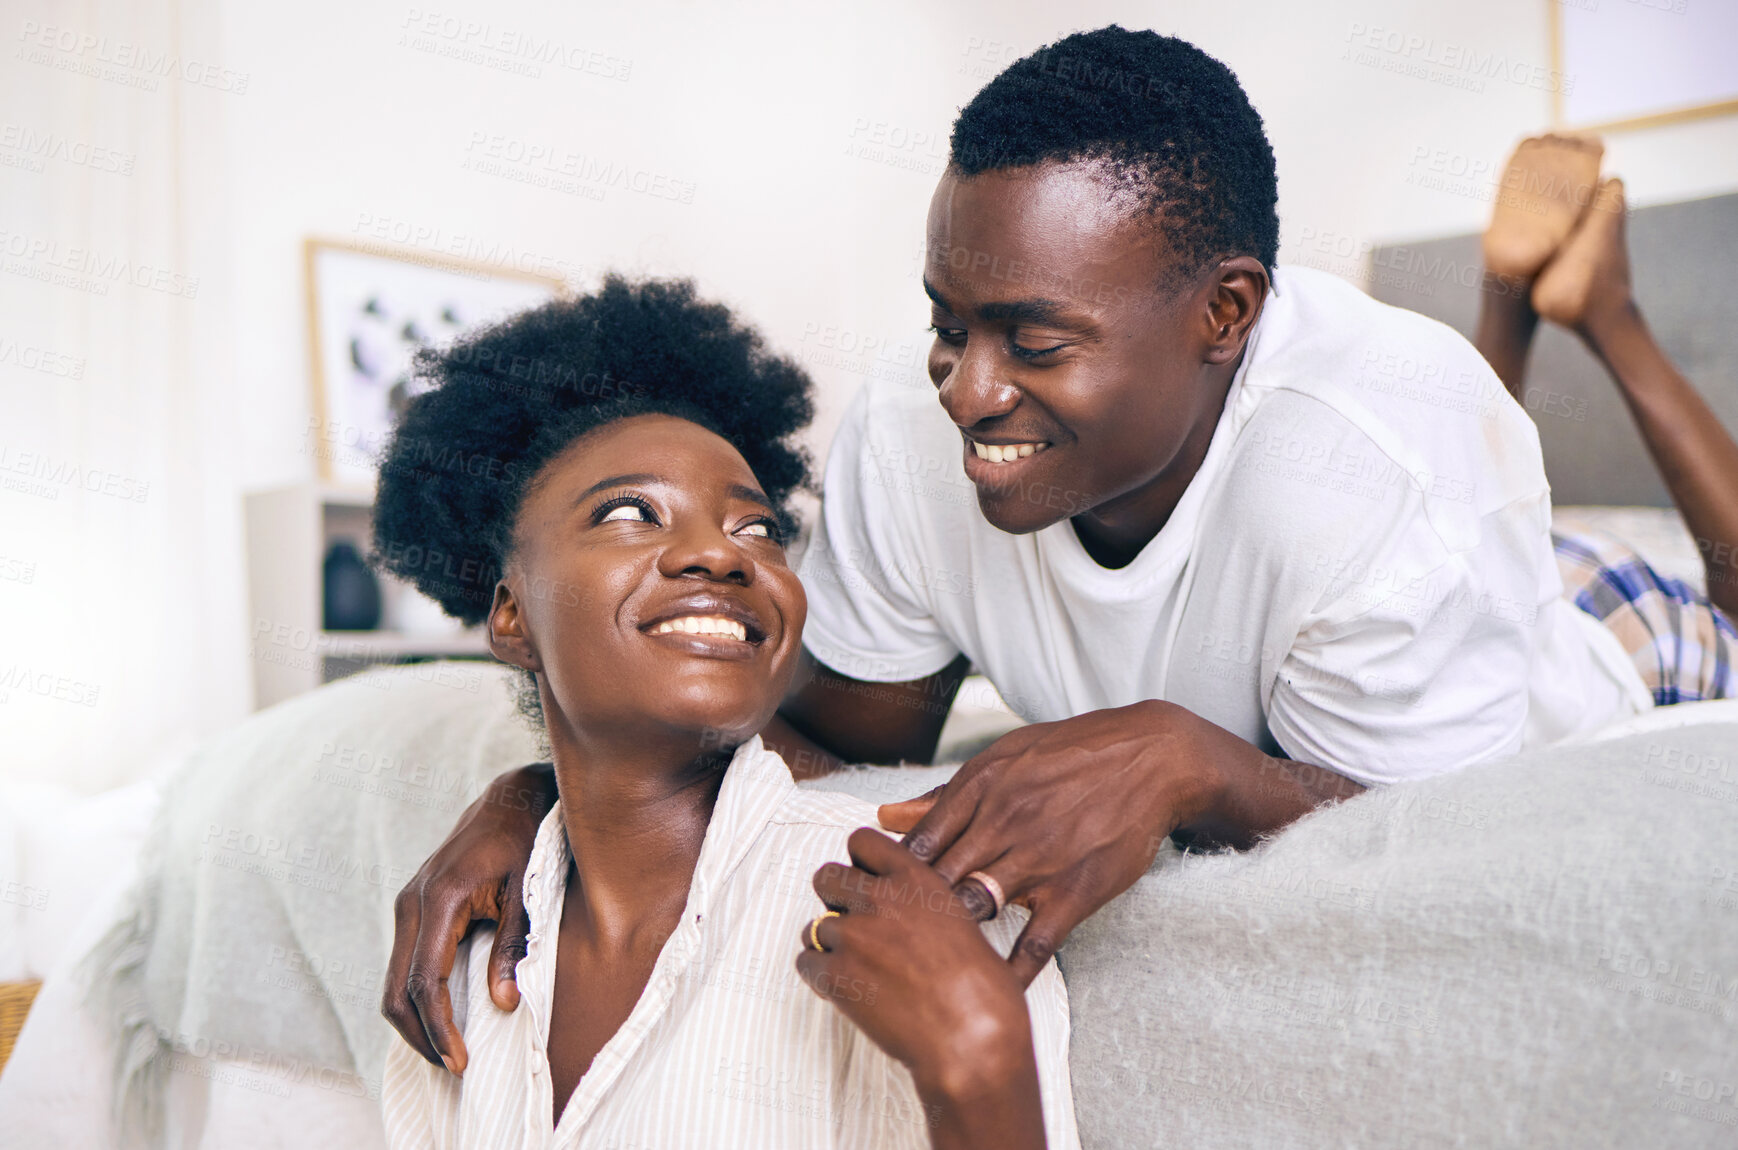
[1020, 310]
[1027, 311]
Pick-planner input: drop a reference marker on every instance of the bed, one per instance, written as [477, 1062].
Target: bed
[1542, 951]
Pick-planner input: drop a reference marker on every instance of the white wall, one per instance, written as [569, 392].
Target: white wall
[812, 135]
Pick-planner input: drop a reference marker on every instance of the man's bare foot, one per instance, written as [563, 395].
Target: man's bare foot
[1544, 190]
[1588, 279]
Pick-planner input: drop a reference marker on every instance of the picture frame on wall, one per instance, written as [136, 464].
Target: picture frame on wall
[370, 310]
[1626, 64]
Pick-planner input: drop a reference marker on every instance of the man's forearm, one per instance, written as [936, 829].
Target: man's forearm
[529, 788]
[806, 758]
[1248, 794]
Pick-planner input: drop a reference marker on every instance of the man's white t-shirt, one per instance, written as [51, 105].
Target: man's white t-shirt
[1360, 575]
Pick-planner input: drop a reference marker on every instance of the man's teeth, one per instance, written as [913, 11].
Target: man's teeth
[703, 625]
[1006, 452]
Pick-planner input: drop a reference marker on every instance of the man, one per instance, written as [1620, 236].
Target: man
[1171, 503]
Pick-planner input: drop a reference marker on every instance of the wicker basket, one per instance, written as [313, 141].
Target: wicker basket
[15, 1000]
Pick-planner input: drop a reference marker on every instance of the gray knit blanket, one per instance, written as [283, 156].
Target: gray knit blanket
[1539, 952]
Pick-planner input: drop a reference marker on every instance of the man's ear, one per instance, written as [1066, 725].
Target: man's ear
[1237, 290]
[509, 641]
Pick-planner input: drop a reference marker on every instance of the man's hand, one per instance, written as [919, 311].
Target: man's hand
[1067, 815]
[475, 876]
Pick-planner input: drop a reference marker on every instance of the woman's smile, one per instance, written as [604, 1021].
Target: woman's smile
[712, 625]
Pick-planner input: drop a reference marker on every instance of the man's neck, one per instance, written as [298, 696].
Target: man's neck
[1115, 531]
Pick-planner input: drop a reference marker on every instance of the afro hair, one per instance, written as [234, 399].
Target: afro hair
[1167, 121]
[507, 400]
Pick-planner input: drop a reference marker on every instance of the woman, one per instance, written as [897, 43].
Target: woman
[603, 483]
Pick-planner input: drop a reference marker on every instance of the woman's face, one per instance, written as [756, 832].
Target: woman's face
[649, 586]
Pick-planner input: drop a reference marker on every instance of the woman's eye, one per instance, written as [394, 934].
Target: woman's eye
[947, 334]
[759, 528]
[628, 512]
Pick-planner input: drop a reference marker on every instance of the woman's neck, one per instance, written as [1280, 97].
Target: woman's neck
[636, 812]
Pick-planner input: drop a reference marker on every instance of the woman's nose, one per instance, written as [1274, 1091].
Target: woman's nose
[708, 552]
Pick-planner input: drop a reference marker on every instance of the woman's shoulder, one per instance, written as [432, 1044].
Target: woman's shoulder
[830, 809]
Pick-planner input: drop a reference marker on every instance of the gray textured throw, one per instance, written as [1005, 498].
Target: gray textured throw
[1541, 952]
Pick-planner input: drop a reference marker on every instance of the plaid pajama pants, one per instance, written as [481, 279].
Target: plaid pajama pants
[1684, 646]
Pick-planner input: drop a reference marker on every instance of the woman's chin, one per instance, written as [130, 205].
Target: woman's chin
[721, 728]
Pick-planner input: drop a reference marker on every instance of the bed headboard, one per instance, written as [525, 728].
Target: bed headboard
[1682, 258]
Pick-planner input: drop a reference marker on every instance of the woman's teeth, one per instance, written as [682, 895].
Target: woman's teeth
[702, 625]
[1006, 452]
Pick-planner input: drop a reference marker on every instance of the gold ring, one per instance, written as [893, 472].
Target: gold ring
[992, 888]
[815, 929]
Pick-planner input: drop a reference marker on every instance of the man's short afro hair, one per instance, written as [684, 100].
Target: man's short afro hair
[507, 400]
[1168, 121]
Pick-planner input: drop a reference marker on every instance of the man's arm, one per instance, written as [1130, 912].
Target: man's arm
[1065, 816]
[830, 719]
[475, 875]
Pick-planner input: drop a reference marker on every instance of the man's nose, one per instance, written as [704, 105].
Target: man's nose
[973, 391]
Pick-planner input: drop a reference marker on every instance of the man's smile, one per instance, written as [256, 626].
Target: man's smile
[992, 466]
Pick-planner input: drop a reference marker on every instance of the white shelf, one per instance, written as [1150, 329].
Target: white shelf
[345, 495]
[398, 644]
[288, 532]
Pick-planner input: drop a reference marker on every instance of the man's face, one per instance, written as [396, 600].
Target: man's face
[1074, 376]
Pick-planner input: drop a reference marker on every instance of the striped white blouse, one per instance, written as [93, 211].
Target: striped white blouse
[726, 1047]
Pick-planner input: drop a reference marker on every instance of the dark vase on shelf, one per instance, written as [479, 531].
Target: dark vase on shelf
[350, 599]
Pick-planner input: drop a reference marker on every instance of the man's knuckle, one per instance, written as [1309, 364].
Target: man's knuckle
[419, 987]
[1038, 947]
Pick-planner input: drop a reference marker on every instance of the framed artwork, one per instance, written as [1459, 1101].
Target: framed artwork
[370, 309]
[1638, 63]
